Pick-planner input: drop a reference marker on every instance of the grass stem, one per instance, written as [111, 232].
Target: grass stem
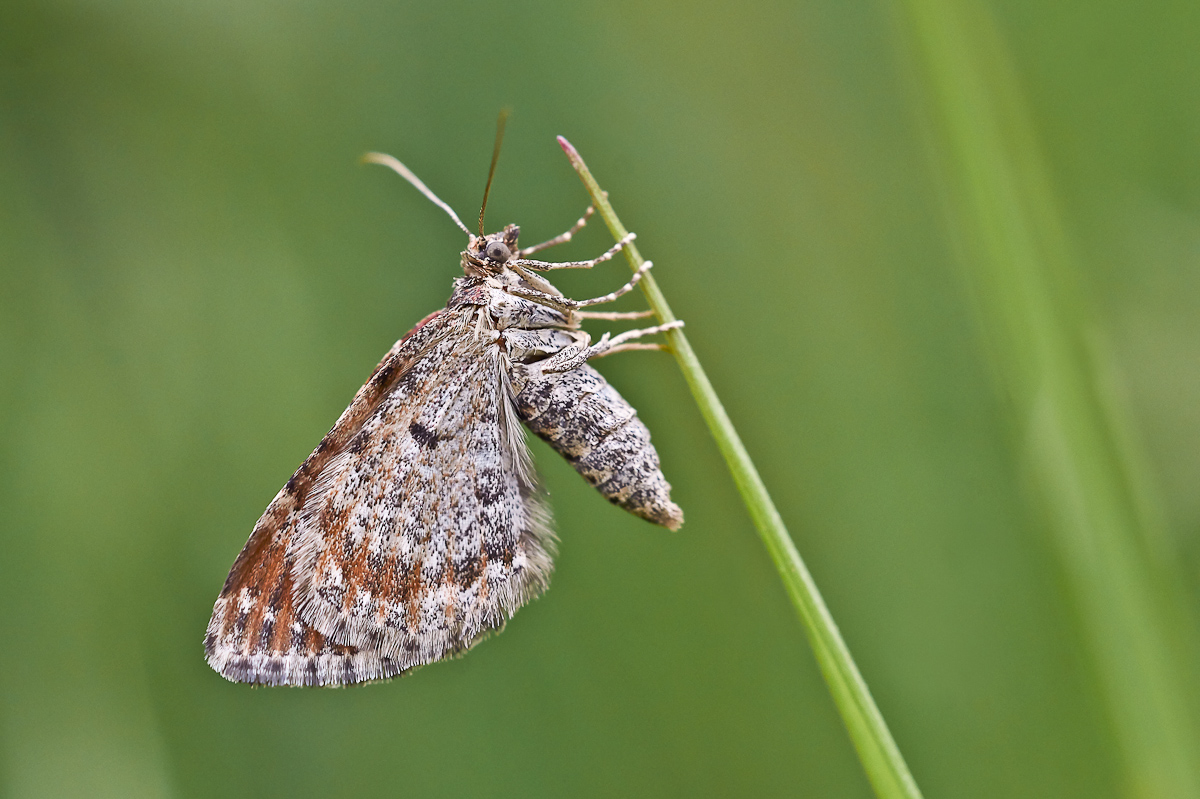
[881, 758]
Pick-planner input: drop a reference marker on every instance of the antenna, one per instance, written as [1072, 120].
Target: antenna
[391, 163]
[495, 157]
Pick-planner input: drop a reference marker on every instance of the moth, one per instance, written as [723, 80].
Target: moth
[417, 526]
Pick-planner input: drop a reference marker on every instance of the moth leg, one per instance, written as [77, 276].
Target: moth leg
[574, 357]
[628, 347]
[567, 304]
[606, 344]
[564, 360]
[544, 266]
[562, 238]
[628, 287]
[542, 298]
[614, 315]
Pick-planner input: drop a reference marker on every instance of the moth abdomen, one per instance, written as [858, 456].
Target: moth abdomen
[591, 425]
[577, 426]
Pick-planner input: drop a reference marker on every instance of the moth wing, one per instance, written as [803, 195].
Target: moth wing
[426, 531]
[255, 634]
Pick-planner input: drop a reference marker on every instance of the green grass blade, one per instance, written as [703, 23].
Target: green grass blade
[881, 758]
[1003, 215]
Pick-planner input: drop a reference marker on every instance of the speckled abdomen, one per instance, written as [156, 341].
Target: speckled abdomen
[598, 432]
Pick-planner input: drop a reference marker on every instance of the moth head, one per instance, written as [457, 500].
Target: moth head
[490, 253]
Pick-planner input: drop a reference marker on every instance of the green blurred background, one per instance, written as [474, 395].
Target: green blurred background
[196, 276]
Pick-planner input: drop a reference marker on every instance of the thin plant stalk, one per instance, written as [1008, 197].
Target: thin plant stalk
[1017, 259]
[881, 758]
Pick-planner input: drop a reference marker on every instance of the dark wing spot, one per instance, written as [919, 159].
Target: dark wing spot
[489, 487]
[272, 672]
[468, 571]
[265, 634]
[423, 435]
[386, 371]
[310, 671]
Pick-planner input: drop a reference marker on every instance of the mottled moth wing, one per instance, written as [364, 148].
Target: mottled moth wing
[425, 532]
[255, 634]
[258, 633]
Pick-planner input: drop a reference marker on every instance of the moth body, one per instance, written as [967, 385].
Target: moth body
[416, 527]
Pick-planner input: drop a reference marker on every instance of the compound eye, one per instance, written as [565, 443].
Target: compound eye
[497, 251]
